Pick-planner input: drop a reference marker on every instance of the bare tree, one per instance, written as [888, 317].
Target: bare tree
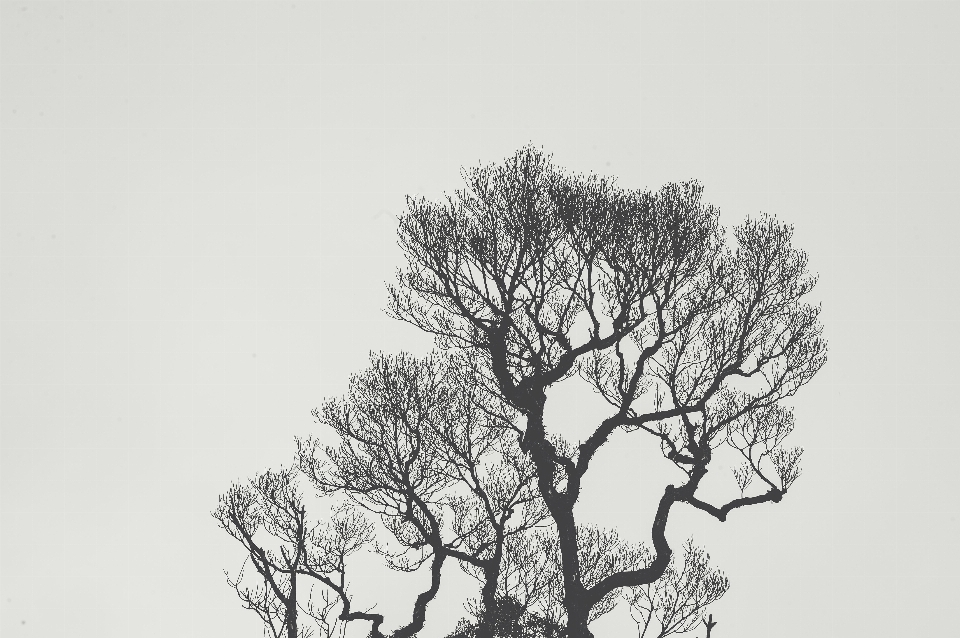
[527, 278]
[675, 603]
[544, 275]
[422, 447]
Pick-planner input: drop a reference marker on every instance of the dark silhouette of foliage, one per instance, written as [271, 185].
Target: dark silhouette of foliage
[508, 618]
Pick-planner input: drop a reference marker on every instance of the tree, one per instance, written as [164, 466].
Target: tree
[418, 440]
[542, 275]
[528, 278]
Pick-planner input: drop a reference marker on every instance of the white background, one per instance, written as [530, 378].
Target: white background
[197, 217]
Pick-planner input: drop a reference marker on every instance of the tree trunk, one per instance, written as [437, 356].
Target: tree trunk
[292, 619]
[292, 608]
[577, 626]
[561, 510]
[560, 506]
[489, 600]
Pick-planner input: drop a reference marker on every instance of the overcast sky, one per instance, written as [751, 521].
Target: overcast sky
[198, 208]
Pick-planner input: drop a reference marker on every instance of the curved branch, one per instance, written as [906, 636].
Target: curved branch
[773, 495]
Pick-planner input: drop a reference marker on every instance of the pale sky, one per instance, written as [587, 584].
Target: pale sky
[197, 218]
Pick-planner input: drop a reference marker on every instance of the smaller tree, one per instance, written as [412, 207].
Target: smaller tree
[676, 602]
[422, 446]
